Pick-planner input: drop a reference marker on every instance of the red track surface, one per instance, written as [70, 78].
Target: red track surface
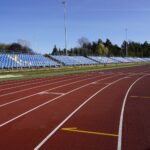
[77, 112]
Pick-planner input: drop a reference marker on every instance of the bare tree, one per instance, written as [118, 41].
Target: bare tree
[23, 43]
[82, 41]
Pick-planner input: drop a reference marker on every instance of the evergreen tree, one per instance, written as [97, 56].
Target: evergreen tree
[55, 51]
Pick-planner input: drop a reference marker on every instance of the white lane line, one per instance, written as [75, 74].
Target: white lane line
[119, 145]
[41, 105]
[76, 77]
[22, 98]
[37, 87]
[31, 80]
[137, 72]
[71, 114]
[28, 84]
[26, 80]
[15, 82]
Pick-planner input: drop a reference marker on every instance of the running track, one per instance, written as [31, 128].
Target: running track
[89, 111]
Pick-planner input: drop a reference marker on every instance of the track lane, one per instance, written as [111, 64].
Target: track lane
[22, 95]
[15, 109]
[28, 84]
[20, 88]
[38, 123]
[16, 131]
[17, 83]
[104, 120]
[26, 80]
[22, 81]
[136, 131]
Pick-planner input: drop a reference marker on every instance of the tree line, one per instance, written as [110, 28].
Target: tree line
[86, 48]
[15, 48]
[106, 48]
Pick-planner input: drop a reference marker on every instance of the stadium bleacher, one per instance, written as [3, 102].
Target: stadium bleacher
[74, 60]
[104, 60]
[135, 59]
[120, 59]
[108, 60]
[147, 59]
[10, 61]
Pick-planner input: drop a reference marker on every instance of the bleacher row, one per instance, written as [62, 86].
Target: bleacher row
[92, 60]
[74, 60]
[10, 61]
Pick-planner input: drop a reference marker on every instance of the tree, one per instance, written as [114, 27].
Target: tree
[23, 43]
[82, 41]
[110, 47]
[93, 48]
[55, 50]
[101, 49]
[15, 47]
[123, 49]
[4, 47]
[146, 49]
[18, 48]
[108, 43]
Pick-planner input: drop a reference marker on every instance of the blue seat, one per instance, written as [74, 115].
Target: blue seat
[74, 60]
[10, 61]
[103, 60]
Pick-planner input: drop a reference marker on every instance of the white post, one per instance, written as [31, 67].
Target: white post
[65, 25]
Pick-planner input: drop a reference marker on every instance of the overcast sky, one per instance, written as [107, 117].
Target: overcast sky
[41, 22]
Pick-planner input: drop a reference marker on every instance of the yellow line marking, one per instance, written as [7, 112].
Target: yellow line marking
[144, 97]
[88, 132]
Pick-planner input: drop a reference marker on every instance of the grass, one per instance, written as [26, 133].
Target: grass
[35, 73]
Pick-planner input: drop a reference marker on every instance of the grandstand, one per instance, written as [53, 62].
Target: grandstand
[136, 59]
[121, 59]
[103, 60]
[147, 59]
[93, 60]
[116, 60]
[74, 60]
[13, 61]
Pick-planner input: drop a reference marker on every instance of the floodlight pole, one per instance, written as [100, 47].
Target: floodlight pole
[126, 31]
[65, 25]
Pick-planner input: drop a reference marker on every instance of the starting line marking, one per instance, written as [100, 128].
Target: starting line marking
[88, 132]
[44, 93]
[127, 77]
[99, 83]
[94, 83]
[57, 93]
[141, 97]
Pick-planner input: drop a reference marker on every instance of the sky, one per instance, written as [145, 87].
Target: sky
[41, 22]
